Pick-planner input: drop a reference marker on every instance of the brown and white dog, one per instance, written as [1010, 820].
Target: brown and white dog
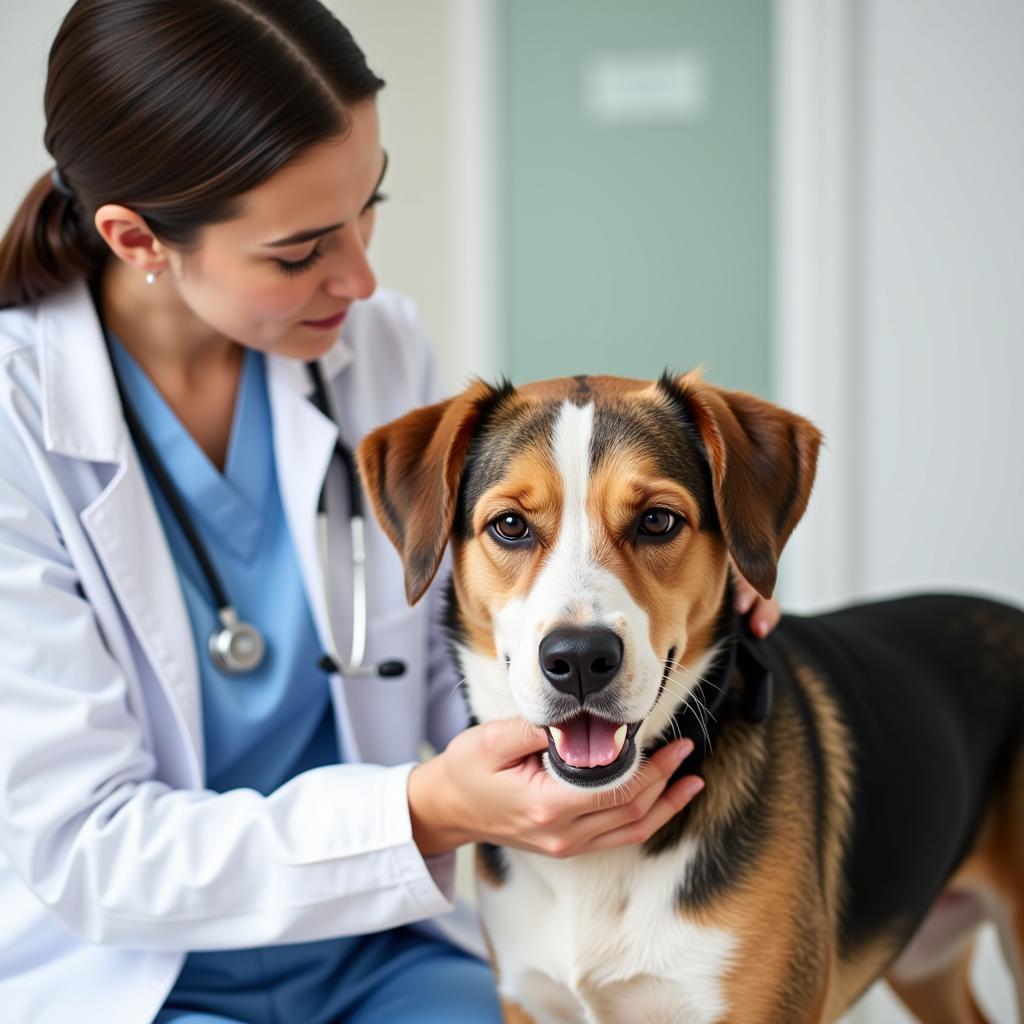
[864, 807]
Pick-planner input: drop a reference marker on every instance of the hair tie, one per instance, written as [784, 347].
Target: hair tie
[60, 185]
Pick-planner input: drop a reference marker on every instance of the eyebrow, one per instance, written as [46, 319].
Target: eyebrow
[309, 235]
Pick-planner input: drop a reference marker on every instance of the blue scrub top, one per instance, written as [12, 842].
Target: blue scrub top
[262, 727]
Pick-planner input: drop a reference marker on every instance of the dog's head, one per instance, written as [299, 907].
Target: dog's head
[591, 521]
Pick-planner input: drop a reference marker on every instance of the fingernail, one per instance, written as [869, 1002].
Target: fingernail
[694, 786]
[760, 627]
[684, 750]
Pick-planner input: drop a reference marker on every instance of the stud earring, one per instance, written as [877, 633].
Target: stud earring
[151, 278]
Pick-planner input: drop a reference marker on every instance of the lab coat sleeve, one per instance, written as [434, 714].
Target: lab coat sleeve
[123, 858]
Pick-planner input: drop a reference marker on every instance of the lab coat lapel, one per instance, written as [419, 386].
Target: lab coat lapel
[304, 442]
[123, 526]
[82, 420]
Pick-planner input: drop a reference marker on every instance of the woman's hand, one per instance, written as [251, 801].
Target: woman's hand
[762, 613]
[489, 785]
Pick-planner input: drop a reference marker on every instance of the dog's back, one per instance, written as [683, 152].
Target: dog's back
[930, 694]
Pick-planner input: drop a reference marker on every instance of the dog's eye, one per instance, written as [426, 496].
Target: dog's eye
[659, 524]
[509, 526]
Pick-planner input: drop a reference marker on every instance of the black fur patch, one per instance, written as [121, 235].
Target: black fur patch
[729, 850]
[455, 632]
[493, 859]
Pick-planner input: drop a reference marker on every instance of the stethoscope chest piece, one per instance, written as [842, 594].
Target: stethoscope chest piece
[237, 647]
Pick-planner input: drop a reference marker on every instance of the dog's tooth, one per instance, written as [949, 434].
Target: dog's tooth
[620, 738]
[559, 738]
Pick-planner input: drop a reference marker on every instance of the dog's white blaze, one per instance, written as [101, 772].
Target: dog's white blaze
[605, 937]
[574, 587]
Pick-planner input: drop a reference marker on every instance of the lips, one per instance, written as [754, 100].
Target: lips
[332, 321]
[588, 750]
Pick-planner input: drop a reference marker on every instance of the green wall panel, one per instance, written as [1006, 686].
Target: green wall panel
[630, 247]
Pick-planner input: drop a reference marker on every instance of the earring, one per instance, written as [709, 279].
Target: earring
[151, 278]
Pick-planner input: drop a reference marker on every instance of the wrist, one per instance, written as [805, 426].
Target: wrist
[434, 830]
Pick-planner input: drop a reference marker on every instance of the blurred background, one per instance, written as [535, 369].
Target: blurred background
[817, 200]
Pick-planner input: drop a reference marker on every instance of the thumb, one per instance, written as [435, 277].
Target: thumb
[508, 740]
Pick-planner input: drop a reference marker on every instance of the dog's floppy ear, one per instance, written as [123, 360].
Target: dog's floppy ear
[763, 459]
[411, 470]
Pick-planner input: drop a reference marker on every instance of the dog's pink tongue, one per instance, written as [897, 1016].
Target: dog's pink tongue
[587, 742]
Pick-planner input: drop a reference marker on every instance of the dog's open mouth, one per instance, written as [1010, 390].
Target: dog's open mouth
[588, 751]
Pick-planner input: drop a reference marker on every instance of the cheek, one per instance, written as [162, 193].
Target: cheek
[247, 301]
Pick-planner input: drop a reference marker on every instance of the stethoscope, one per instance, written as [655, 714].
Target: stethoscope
[237, 647]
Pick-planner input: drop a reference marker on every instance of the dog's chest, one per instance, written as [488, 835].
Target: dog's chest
[600, 938]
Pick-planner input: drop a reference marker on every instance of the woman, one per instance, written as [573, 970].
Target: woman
[193, 830]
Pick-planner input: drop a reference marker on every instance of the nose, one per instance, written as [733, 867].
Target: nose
[353, 277]
[580, 661]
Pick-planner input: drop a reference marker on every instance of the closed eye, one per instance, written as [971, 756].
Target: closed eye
[300, 266]
[292, 267]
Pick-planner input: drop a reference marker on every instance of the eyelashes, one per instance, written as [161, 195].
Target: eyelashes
[300, 267]
[291, 268]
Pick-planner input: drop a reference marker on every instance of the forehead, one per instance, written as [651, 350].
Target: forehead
[633, 423]
[329, 182]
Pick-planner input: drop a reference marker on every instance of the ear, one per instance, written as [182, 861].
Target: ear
[763, 460]
[411, 469]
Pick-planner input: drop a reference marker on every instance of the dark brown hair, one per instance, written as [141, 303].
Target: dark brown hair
[174, 109]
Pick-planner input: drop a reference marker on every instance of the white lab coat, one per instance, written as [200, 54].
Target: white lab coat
[114, 860]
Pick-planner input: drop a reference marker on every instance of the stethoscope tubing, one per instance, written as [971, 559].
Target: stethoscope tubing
[238, 647]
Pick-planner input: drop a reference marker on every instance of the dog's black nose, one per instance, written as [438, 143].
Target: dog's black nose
[580, 661]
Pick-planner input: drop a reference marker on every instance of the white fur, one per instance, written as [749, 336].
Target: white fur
[599, 938]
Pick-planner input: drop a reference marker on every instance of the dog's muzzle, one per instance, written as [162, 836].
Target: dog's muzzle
[584, 748]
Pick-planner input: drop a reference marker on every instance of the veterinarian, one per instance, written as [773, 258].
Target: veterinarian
[211, 807]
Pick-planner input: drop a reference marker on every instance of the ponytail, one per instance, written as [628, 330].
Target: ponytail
[49, 243]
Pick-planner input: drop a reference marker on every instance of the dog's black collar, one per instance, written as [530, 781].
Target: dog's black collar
[739, 654]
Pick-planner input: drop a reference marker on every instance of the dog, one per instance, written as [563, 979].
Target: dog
[864, 804]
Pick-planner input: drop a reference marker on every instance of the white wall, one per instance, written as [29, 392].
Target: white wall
[901, 284]
[941, 270]
[26, 31]
[434, 238]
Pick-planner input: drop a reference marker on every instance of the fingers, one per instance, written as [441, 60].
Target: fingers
[509, 740]
[663, 762]
[763, 613]
[666, 807]
[626, 806]
[764, 616]
[744, 595]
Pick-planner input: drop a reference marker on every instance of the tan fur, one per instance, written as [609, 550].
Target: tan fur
[785, 979]
[680, 592]
[498, 575]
